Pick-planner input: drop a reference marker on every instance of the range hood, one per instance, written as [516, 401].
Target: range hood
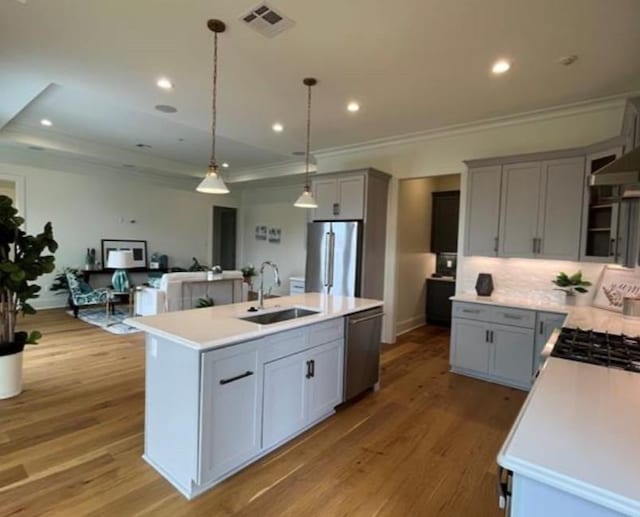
[625, 172]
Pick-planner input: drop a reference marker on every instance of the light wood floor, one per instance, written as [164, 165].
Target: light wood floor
[424, 445]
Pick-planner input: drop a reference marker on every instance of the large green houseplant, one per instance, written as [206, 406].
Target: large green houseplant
[23, 258]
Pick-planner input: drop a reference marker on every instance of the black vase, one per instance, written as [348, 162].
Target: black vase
[484, 284]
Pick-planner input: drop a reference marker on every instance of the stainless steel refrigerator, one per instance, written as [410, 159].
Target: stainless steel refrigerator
[334, 261]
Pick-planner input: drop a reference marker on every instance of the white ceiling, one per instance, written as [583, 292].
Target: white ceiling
[91, 65]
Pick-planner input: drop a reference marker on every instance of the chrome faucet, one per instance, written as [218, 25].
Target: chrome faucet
[276, 274]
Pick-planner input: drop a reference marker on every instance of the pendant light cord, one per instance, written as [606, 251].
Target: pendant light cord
[212, 160]
[306, 177]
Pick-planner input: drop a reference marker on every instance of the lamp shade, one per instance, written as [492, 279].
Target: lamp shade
[212, 184]
[306, 200]
[120, 259]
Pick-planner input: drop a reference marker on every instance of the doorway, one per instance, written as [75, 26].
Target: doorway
[224, 237]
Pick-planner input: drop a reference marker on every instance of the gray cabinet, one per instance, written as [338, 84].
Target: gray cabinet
[512, 357]
[560, 212]
[521, 186]
[631, 125]
[483, 211]
[339, 197]
[470, 345]
[547, 322]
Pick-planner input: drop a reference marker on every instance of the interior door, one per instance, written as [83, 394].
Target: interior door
[343, 268]
[318, 255]
[224, 237]
[521, 184]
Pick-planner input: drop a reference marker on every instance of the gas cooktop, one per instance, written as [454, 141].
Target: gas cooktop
[600, 348]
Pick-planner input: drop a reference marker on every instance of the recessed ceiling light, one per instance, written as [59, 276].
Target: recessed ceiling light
[225, 165]
[165, 108]
[277, 127]
[353, 107]
[501, 66]
[164, 83]
[46, 122]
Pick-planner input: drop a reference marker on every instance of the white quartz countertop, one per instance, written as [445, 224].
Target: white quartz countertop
[579, 431]
[591, 318]
[213, 327]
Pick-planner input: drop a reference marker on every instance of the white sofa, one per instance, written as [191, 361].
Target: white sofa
[181, 291]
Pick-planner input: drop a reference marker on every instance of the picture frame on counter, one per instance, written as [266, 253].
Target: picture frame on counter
[138, 249]
[615, 284]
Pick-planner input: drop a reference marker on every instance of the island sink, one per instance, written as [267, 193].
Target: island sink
[268, 318]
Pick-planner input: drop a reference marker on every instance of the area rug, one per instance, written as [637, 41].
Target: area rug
[96, 316]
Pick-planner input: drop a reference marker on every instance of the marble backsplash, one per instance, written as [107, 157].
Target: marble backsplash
[523, 278]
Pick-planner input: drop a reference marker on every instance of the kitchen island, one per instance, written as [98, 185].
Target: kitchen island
[222, 390]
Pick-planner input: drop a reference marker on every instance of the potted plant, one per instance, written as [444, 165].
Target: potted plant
[573, 286]
[22, 260]
[248, 272]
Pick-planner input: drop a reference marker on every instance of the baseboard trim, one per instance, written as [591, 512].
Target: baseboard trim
[404, 326]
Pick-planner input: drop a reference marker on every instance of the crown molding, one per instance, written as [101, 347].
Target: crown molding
[275, 170]
[576, 108]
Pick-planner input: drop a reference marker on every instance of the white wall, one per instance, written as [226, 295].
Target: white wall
[272, 206]
[85, 208]
[442, 152]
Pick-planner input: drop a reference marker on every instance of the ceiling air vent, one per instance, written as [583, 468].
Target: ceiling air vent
[266, 20]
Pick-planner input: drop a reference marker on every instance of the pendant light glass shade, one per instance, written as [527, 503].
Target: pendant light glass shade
[306, 200]
[212, 183]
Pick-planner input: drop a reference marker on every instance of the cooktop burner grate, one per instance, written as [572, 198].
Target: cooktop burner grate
[601, 348]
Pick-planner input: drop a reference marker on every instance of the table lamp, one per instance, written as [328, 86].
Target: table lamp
[120, 260]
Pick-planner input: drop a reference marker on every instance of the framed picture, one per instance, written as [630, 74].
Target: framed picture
[614, 285]
[138, 249]
[261, 233]
[274, 235]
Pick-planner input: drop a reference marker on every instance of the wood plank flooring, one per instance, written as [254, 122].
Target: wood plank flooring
[424, 445]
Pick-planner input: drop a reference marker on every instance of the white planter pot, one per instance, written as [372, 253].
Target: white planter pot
[10, 375]
[578, 300]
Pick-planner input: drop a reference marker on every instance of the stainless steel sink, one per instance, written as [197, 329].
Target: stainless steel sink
[267, 318]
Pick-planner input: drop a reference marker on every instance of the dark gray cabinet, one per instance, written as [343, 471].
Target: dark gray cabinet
[438, 305]
[445, 210]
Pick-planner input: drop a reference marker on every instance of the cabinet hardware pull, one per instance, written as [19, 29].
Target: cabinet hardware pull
[366, 318]
[539, 245]
[495, 244]
[236, 378]
[486, 336]
[309, 375]
[313, 367]
[512, 316]
[534, 245]
[471, 311]
[541, 328]
[612, 244]
[491, 336]
[327, 258]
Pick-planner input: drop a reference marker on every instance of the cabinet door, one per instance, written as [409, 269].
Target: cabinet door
[483, 211]
[326, 195]
[231, 409]
[512, 354]
[561, 209]
[285, 398]
[547, 323]
[350, 198]
[630, 127]
[325, 386]
[521, 184]
[470, 345]
[444, 221]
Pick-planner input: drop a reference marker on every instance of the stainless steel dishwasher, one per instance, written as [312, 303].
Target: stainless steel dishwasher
[362, 351]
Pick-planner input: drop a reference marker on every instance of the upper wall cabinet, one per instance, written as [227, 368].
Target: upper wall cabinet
[445, 212]
[483, 211]
[339, 198]
[527, 209]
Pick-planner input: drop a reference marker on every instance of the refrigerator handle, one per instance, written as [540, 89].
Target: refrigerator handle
[332, 258]
[327, 258]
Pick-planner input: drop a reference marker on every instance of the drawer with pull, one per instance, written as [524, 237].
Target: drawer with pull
[472, 311]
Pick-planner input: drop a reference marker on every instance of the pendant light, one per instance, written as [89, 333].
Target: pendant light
[306, 198]
[212, 182]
